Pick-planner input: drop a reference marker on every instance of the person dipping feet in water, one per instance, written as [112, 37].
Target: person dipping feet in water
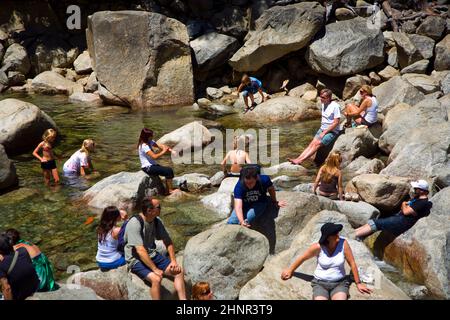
[148, 157]
[80, 162]
[48, 163]
[237, 157]
[249, 87]
[331, 115]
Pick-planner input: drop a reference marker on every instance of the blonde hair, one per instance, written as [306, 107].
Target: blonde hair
[199, 290]
[236, 142]
[367, 89]
[49, 133]
[87, 146]
[331, 166]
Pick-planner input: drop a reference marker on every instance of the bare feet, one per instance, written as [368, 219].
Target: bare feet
[293, 161]
[174, 190]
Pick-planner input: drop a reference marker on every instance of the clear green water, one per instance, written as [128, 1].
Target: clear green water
[55, 219]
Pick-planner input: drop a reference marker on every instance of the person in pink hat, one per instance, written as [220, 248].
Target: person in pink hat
[411, 211]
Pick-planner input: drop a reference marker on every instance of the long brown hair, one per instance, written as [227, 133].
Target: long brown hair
[331, 167]
[144, 136]
[199, 290]
[108, 220]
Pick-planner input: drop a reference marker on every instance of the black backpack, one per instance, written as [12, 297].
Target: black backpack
[121, 240]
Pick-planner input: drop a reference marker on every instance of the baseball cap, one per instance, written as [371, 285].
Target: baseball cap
[420, 184]
[329, 229]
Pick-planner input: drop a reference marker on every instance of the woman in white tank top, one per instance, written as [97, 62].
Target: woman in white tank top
[108, 257]
[366, 113]
[330, 280]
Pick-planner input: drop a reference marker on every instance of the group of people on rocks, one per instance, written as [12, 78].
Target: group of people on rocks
[124, 240]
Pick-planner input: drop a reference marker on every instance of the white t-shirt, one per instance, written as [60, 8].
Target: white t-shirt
[76, 161]
[146, 160]
[332, 112]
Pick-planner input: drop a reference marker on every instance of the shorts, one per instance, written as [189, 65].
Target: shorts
[327, 139]
[328, 289]
[142, 271]
[157, 170]
[112, 265]
[48, 165]
[364, 122]
[249, 90]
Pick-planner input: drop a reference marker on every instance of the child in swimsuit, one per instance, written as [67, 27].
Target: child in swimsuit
[48, 163]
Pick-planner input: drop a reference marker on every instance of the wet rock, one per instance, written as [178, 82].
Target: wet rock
[83, 63]
[213, 49]
[50, 83]
[227, 257]
[8, 176]
[193, 182]
[382, 191]
[22, 125]
[283, 109]
[417, 67]
[442, 59]
[432, 27]
[423, 82]
[299, 287]
[123, 189]
[354, 143]
[347, 48]
[219, 202]
[219, 109]
[404, 92]
[16, 59]
[87, 98]
[278, 31]
[157, 72]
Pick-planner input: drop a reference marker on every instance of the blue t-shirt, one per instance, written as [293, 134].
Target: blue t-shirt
[255, 84]
[257, 194]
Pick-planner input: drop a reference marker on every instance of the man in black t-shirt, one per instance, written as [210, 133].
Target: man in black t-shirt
[18, 280]
[411, 211]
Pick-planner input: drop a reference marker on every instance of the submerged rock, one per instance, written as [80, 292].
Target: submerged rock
[8, 176]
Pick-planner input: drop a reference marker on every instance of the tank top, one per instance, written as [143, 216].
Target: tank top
[331, 268]
[371, 113]
[107, 250]
[329, 187]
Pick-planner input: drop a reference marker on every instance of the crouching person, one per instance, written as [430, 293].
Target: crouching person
[140, 250]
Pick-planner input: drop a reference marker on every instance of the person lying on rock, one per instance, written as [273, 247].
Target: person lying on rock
[329, 129]
[330, 280]
[140, 250]
[148, 156]
[237, 157]
[249, 87]
[250, 197]
[329, 178]
[411, 211]
[366, 112]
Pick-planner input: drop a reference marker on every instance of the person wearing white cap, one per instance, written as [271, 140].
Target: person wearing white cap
[411, 211]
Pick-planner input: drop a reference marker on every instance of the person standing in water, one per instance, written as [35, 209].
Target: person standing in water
[237, 158]
[48, 163]
[148, 156]
[80, 162]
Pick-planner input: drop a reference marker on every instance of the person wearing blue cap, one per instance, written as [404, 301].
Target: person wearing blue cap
[330, 280]
[411, 211]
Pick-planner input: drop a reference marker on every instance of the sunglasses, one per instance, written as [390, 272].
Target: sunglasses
[158, 207]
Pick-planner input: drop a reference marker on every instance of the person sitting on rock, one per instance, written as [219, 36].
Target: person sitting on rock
[329, 178]
[249, 87]
[140, 250]
[40, 261]
[329, 129]
[108, 255]
[330, 280]
[202, 291]
[80, 162]
[366, 112]
[148, 157]
[411, 211]
[18, 278]
[250, 197]
[237, 157]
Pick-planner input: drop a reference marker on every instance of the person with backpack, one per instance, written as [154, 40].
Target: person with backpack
[250, 196]
[411, 211]
[18, 278]
[140, 250]
[109, 255]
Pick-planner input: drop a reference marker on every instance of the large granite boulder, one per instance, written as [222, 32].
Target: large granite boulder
[219, 202]
[422, 154]
[357, 213]
[8, 176]
[432, 27]
[283, 109]
[442, 51]
[299, 287]
[83, 63]
[354, 143]
[407, 52]
[16, 59]
[67, 292]
[92, 99]
[404, 92]
[22, 125]
[50, 82]
[362, 165]
[213, 49]
[227, 257]
[157, 71]
[193, 182]
[426, 84]
[232, 20]
[278, 31]
[424, 44]
[383, 192]
[285, 168]
[422, 253]
[124, 190]
[348, 47]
